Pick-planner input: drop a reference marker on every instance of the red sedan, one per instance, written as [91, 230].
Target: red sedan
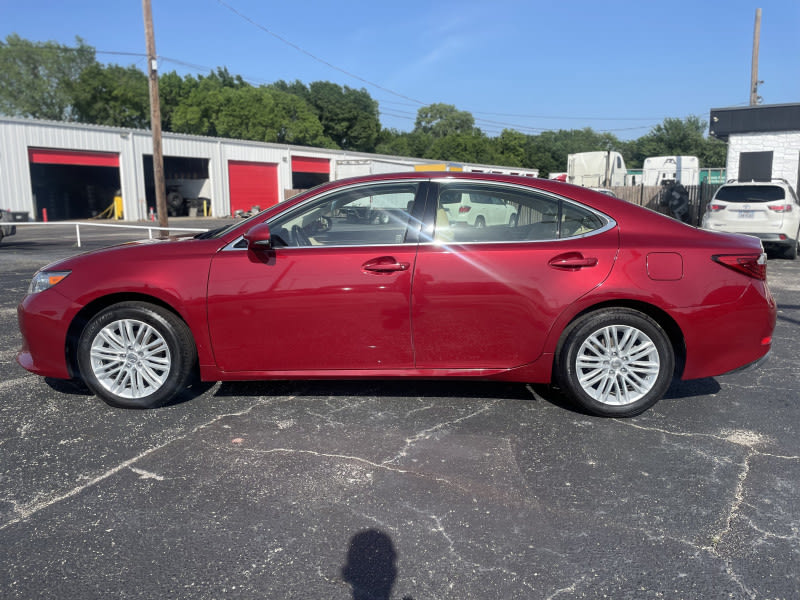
[605, 299]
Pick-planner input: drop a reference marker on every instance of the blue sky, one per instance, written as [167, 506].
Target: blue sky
[618, 66]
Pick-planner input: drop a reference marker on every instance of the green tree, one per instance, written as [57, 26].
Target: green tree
[548, 151]
[673, 137]
[172, 90]
[714, 153]
[248, 113]
[442, 120]
[510, 148]
[38, 79]
[472, 147]
[349, 117]
[112, 95]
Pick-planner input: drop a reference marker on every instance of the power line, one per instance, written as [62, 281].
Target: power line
[488, 124]
[314, 56]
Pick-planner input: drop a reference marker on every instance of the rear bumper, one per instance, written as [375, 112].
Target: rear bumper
[721, 339]
[753, 365]
[773, 238]
[770, 237]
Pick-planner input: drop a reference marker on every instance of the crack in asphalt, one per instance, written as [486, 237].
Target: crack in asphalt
[428, 433]
[25, 511]
[750, 441]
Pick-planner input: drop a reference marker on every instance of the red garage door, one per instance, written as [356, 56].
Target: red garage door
[306, 164]
[53, 156]
[252, 184]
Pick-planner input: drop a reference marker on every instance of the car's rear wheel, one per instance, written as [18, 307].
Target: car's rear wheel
[136, 355]
[615, 362]
[480, 223]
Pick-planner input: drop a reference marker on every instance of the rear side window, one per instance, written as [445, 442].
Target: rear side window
[471, 212]
[750, 193]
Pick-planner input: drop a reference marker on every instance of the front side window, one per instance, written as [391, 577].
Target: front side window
[472, 212]
[367, 215]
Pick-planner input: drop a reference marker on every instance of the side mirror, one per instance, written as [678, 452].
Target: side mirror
[259, 237]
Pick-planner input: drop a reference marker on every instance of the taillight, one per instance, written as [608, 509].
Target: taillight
[780, 208]
[716, 207]
[752, 265]
[462, 210]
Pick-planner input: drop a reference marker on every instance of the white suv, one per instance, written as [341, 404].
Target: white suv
[477, 210]
[767, 210]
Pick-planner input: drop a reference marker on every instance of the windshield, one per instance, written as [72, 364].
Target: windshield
[750, 193]
[217, 233]
[220, 231]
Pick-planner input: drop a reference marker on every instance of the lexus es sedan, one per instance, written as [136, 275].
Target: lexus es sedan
[604, 299]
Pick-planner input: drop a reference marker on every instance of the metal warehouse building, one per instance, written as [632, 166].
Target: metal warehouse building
[60, 171]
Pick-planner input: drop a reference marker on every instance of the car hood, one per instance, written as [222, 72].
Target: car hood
[127, 251]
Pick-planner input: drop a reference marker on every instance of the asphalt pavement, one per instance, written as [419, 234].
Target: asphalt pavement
[399, 489]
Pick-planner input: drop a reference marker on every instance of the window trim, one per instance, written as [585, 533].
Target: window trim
[412, 232]
[610, 223]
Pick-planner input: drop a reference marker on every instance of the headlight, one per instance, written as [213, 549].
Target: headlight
[46, 279]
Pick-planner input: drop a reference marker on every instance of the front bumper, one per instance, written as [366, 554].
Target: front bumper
[44, 320]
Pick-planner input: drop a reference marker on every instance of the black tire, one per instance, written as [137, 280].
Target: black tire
[480, 222]
[136, 355]
[791, 251]
[615, 362]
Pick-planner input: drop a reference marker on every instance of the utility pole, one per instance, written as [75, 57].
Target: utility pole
[155, 119]
[754, 98]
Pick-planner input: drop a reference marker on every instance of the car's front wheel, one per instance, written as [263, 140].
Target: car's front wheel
[615, 362]
[136, 355]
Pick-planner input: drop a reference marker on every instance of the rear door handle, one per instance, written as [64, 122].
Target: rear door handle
[384, 264]
[572, 261]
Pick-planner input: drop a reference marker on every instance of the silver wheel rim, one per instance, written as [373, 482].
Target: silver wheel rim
[130, 358]
[617, 365]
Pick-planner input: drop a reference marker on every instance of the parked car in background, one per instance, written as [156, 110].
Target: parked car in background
[605, 191]
[607, 300]
[477, 210]
[766, 210]
[6, 230]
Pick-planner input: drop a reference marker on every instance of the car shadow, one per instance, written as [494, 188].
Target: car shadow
[483, 390]
[394, 388]
[72, 387]
[76, 387]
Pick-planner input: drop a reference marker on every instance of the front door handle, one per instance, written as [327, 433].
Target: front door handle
[572, 261]
[385, 264]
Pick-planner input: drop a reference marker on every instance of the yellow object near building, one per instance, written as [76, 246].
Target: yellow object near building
[439, 167]
[118, 207]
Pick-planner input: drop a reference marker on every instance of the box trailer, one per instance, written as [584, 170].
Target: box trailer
[681, 169]
[604, 168]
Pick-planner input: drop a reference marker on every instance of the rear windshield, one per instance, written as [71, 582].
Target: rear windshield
[750, 193]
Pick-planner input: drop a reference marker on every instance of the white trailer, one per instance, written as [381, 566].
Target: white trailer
[604, 168]
[681, 169]
[344, 168]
